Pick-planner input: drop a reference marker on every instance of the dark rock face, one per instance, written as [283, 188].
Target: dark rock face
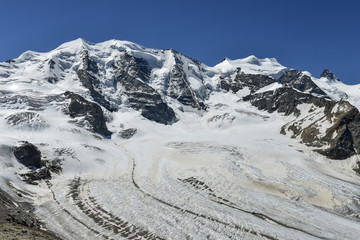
[79, 107]
[54, 166]
[89, 64]
[29, 119]
[89, 81]
[10, 61]
[356, 168]
[22, 213]
[329, 75]
[128, 133]
[17, 219]
[140, 95]
[283, 100]
[28, 155]
[11, 101]
[253, 81]
[343, 135]
[179, 87]
[37, 175]
[301, 82]
[51, 64]
[52, 79]
[129, 65]
[346, 127]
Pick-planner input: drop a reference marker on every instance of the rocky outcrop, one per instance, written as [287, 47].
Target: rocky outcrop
[26, 119]
[33, 177]
[28, 155]
[51, 64]
[284, 100]
[128, 133]
[344, 134]
[242, 80]
[88, 79]
[92, 113]
[128, 65]
[11, 231]
[17, 219]
[301, 82]
[16, 211]
[340, 140]
[44, 173]
[88, 64]
[179, 86]
[329, 75]
[140, 95]
[16, 101]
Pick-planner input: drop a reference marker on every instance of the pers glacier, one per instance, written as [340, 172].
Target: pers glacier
[203, 158]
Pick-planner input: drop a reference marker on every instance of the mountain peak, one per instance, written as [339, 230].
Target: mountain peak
[329, 75]
[77, 45]
[178, 140]
[252, 60]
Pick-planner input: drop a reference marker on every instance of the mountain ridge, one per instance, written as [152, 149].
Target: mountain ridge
[120, 73]
[133, 142]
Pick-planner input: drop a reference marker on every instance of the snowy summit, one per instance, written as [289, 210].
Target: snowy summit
[118, 141]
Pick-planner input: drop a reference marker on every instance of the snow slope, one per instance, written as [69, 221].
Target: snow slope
[223, 172]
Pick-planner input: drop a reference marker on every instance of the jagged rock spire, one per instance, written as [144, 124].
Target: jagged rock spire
[329, 75]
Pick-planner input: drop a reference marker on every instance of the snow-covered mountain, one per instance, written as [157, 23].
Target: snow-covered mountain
[114, 140]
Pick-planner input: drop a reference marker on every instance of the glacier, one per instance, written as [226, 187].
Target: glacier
[208, 164]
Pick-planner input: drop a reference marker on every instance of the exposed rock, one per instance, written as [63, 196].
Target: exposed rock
[341, 140]
[356, 167]
[140, 95]
[88, 63]
[222, 119]
[36, 175]
[329, 75]
[93, 114]
[51, 64]
[28, 155]
[253, 81]
[12, 231]
[17, 220]
[128, 133]
[91, 82]
[346, 127]
[283, 100]
[10, 101]
[301, 82]
[197, 184]
[26, 119]
[53, 79]
[54, 166]
[10, 61]
[179, 86]
[17, 212]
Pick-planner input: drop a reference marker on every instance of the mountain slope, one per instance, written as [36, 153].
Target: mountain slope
[140, 143]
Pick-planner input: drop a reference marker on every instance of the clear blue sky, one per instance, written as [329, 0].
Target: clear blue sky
[306, 35]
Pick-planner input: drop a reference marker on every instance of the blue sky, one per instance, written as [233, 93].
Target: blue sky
[306, 35]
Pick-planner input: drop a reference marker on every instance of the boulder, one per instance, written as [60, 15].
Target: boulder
[28, 155]
[93, 114]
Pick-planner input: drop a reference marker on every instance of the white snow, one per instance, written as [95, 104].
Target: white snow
[338, 90]
[233, 148]
[271, 87]
[252, 65]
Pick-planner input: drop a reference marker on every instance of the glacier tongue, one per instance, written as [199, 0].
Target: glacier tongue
[142, 143]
